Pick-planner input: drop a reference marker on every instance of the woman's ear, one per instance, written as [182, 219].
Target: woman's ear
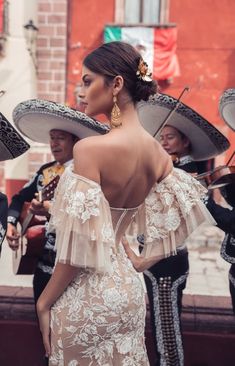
[118, 84]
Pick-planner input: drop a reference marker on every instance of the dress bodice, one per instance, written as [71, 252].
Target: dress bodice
[121, 219]
[87, 228]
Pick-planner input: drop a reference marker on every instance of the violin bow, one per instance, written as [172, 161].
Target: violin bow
[186, 89]
[231, 157]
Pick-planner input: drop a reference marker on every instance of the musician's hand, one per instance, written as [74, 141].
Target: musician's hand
[12, 237]
[44, 321]
[194, 175]
[39, 208]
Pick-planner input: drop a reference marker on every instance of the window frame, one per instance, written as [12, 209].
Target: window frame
[119, 18]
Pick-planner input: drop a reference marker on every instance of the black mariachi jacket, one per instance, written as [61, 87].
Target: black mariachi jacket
[3, 217]
[26, 194]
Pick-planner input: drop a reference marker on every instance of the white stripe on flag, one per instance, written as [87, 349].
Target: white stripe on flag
[142, 39]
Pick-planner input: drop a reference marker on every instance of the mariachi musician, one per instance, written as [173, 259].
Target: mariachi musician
[227, 112]
[12, 145]
[61, 127]
[192, 139]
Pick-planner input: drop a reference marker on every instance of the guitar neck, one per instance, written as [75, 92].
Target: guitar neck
[30, 215]
[45, 194]
[26, 222]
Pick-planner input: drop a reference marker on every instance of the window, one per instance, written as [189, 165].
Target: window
[142, 11]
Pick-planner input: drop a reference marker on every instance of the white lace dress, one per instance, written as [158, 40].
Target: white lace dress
[100, 317]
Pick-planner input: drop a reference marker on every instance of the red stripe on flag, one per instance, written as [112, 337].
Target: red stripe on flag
[165, 64]
[1, 15]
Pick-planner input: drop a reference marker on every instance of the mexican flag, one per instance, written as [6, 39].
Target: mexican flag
[156, 45]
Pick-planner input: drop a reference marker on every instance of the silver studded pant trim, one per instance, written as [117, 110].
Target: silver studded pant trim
[166, 319]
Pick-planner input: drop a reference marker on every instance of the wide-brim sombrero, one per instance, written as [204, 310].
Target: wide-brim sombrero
[35, 118]
[206, 141]
[227, 107]
[12, 144]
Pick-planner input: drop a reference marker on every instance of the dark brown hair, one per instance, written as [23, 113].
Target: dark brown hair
[120, 58]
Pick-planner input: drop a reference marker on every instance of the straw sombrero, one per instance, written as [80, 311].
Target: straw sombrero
[206, 140]
[11, 143]
[35, 118]
[227, 107]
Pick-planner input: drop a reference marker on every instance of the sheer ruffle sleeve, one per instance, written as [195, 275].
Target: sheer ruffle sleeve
[80, 216]
[172, 211]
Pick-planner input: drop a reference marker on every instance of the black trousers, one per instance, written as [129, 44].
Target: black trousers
[232, 285]
[40, 281]
[165, 282]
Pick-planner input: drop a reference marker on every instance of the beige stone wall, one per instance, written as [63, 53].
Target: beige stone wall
[51, 64]
[51, 52]
[52, 49]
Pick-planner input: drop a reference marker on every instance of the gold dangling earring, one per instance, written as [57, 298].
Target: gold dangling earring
[115, 114]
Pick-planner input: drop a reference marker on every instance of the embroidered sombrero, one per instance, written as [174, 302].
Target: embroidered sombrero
[227, 107]
[35, 118]
[206, 140]
[11, 143]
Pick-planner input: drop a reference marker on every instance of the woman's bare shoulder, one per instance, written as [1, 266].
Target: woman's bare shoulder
[88, 142]
[87, 154]
[163, 161]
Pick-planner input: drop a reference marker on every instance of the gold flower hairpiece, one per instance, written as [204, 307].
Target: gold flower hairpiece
[143, 72]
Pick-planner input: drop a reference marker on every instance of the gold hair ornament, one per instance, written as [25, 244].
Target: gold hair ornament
[143, 72]
[115, 114]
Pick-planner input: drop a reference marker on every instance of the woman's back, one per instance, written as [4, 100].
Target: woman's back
[126, 163]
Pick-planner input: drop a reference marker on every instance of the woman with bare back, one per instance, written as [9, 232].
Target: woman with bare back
[92, 312]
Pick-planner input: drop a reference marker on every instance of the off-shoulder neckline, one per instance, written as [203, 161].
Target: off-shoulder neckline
[88, 180]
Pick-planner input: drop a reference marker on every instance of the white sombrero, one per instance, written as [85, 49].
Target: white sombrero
[227, 107]
[11, 143]
[206, 140]
[35, 118]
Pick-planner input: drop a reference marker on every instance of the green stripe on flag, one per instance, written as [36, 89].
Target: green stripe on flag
[112, 34]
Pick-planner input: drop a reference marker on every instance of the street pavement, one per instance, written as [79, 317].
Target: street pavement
[208, 273]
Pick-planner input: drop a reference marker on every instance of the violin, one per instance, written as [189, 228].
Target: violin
[218, 177]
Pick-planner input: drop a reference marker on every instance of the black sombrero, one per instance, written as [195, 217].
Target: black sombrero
[35, 118]
[227, 107]
[11, 143]
[206, 140]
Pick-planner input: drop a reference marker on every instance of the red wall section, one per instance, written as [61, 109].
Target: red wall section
[13, 186]
[87, 19]
[206, 51]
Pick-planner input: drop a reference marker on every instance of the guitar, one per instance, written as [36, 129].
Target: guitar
[32, 239]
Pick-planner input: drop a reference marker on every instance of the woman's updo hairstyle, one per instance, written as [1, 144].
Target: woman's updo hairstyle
[120, 58]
